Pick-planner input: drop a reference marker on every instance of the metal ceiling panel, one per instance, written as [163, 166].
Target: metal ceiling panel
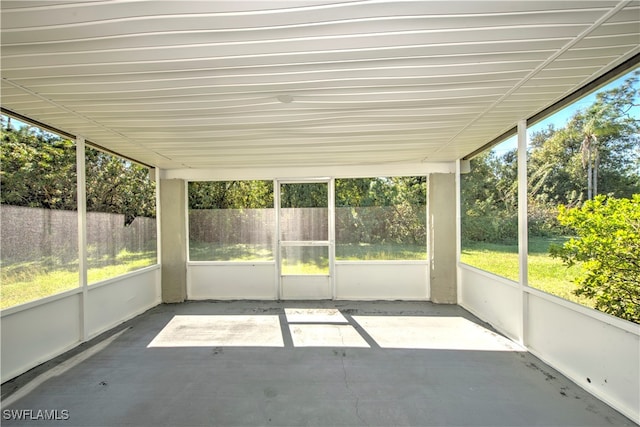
[289, 83]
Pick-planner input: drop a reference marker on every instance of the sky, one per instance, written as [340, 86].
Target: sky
[560, 119]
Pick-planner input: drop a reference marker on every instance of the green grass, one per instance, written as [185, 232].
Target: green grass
[28, 281]
[200, 251]
[545, 273]
[125, 262]
[306, 268]
[377, 252]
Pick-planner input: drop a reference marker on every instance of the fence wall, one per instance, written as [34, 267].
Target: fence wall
[32, 233]
[353, 225]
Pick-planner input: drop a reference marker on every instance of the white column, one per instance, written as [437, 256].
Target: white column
[442, 245]
[276, 239]
[332, 236]
[82, 234]
[523, 236]
[157, 176]
[173, 251]
[458, 229]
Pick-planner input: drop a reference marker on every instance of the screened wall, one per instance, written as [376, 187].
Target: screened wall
[563, 284]
[306, 229]
[40, 254]
[580, 159]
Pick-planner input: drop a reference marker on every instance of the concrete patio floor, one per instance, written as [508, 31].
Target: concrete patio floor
[301, 363]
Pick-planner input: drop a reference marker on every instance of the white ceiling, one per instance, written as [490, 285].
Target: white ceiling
[249, 84]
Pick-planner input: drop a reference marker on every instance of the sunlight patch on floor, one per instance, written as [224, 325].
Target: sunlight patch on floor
[427, 332]
[314, 315]
[218, 331]
[319, 327]
[326, 336]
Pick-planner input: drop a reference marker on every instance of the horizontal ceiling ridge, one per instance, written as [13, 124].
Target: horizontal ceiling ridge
[285, 64]
[354, 71]
[288, 40]
[418, 86]
[261, 13]
[312, 123]
[300, 53]
[321, 82]
[146, 16]
[312, 37]
[310, 24]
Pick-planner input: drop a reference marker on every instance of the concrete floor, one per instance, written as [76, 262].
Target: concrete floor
[302, 364]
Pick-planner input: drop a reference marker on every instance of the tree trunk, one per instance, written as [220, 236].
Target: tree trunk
[595, 172]
[589, 175]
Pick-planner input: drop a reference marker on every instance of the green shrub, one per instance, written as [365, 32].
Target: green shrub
[484, 222]
[543, 220]
[608, 246]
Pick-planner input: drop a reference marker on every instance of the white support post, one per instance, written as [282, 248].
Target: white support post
[332, 236]
[156, 177]
[276, 240]
[186, 221]
[523, 236]
[458, 230]
[82, 234]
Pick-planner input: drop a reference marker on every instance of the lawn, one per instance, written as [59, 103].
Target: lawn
[28, 281]
[377, 252]
[204, 251]
[23, 282]
[200, 251]
[545, 273]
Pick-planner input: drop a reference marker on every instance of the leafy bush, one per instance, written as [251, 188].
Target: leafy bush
[486, 222]
[608, 246]
[543, 220]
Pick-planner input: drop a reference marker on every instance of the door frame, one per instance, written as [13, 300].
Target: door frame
[278, 243]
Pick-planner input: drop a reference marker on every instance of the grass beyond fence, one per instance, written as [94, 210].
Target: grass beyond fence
[24, 282]
[202, 251]
[29, 281]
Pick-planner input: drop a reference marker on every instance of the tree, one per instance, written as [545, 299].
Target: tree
[608, 246]
[389, 210]
[596, 152]
[304, 195]
[39, 171]
[230, 194]
[116, 185]
[489, 199]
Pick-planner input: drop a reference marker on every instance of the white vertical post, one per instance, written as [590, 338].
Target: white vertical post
[427, 241]
[458, 230]
[276, 239]
[82, 234]
[332, 236]
[187, 282]
[523, 236]
[430, 246]
[157, 177]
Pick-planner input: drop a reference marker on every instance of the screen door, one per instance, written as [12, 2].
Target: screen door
[305, 240]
